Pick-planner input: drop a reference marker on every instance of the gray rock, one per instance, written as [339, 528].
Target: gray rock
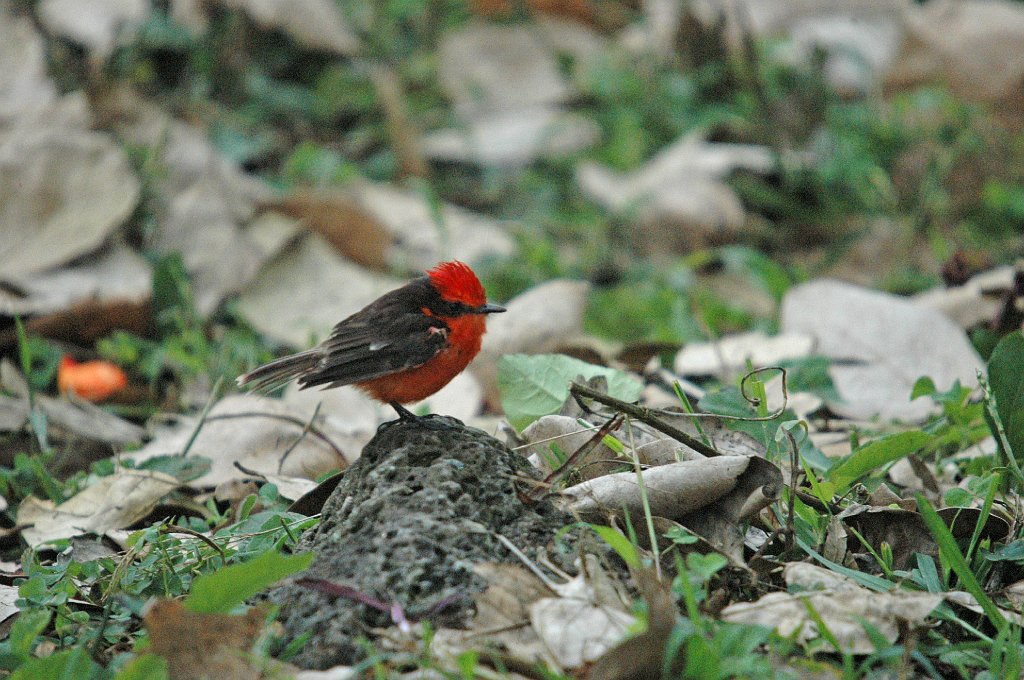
[406, 524]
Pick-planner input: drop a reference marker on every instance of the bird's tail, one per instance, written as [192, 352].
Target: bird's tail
[269, 377]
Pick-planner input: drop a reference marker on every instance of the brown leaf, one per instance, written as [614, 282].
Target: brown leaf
[203, 646]
[350, 229]
[640, 657]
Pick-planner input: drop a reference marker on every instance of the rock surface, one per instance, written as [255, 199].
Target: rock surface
[406, 524]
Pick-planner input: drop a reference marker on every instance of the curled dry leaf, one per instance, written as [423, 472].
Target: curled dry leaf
[673, 491]
[537, 321]
[112, 502]
[904, 531]
[882, 344]
[257, 433]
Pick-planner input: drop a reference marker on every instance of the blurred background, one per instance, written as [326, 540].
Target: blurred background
[189, 187]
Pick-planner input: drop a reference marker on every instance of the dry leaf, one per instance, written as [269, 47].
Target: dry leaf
[673, 490]
[94, 24]
[335, 673]
[904, 531]
[507, 90]
[117, 273]
[218, 254]
[318, 24]
[62, 192]
[971, 46]
[860, 38]
[678, 201]
[200, 646]
[25, 86]
[640, 657]
[843, 611]
[487, 67]
[8, 597]
[112, 502]
[568, 436]
[730, 354]
[350, 229]
[884, 342]
[256, 432]
[299, 296]
[513, 139]
[419, 241]
[977, 301]
[587, 619]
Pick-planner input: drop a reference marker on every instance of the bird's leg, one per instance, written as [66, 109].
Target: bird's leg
[404, 416]
[403, 412]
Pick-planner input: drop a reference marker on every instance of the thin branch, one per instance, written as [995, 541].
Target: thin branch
[644, 415]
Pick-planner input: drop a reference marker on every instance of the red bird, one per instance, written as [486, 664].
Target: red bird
[400, 348]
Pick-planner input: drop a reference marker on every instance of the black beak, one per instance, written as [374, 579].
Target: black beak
[490, 309]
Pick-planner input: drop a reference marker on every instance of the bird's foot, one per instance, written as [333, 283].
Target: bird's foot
[432, 421]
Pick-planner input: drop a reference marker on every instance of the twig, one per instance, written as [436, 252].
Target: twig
[203, 416]
[175, 528]
[315, 431]
[644, 415]
[298, 440]
[588, 446]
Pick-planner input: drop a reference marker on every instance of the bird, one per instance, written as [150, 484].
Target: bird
[401, 348]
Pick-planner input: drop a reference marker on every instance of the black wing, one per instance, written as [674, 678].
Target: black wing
[391, 335]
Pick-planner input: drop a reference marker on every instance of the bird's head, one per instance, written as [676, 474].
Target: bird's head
[455, 282]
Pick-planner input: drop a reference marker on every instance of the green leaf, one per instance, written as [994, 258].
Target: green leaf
[538, 385]
[70, 664]
[26, 629]
[875, 455]
[220, 592]
[619, 543]
[953, 559]
[145, 667]
[1011, 552]
[1007, 382]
